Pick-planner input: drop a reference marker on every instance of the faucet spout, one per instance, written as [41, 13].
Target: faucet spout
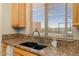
[36, 32]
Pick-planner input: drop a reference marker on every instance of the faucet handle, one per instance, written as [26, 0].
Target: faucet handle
[41, 40]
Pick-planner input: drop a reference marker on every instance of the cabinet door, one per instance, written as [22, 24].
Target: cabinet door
[14, 15]
[4, 46]
[20, 52]
[22, 14]
[75, 14]
[78, 14]
[16, 54]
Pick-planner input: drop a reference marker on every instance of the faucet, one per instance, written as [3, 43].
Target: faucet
[40, 40]
[36, 31]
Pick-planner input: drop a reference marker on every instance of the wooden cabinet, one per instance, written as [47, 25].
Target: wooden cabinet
[78, 14]
[18, 15]
[75, 14]
[20, 52]
[4, 47]
[16, 51]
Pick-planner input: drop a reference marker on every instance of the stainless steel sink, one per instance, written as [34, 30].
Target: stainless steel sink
[33, 45]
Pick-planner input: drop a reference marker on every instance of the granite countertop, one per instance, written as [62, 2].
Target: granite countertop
[63, 39]
[48, 51]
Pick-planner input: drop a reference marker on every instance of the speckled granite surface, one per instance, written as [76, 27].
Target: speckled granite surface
[42, 40]
[65, 48]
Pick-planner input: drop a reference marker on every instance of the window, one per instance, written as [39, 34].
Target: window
[69, 16]
[38, 17]
[69, 21]
[56, 19]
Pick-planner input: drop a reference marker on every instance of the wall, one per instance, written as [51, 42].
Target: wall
[0, 28]
[6, 20]
[0, 21]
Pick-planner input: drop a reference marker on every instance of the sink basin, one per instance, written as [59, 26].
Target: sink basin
[29, 44]
[39, 47]
[33, 45]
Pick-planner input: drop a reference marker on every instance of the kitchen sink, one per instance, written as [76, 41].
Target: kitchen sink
[29, 44]
[39, 47]
[33, 45]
